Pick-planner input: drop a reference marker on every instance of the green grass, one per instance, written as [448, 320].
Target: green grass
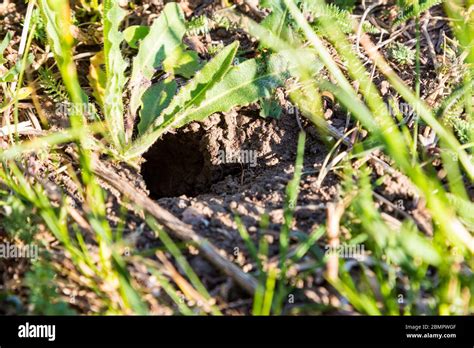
[407, 271]
[450, 232]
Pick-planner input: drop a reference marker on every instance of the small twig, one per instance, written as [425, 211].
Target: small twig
[407, 216]
[298, 120]
[394, 36]
[85, 55]
[361, 26]
[333, 131]
[24, 128]
[431, 48]
[334, 215]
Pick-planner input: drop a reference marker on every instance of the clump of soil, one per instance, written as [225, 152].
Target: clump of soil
[188, 174]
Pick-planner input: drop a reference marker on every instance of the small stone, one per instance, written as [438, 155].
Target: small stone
[182, 204]
[192, 216]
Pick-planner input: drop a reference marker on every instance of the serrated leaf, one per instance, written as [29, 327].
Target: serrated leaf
[182, 62]
[115, 67]
[241, 86]
[154, 101]
[191, 94]
[409, 11]
[135, 33]
[166, 33]
[332, 12]
[98, 78]
[194, 92]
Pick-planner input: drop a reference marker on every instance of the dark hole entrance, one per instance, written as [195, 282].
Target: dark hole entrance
[176, 165]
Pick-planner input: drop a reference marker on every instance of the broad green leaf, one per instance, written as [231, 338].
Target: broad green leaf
[182, 62]
[135, 33]
[194, 92]
[242, 85]
[154, 101]
[166, 33]
[115, 67]
[191, 94]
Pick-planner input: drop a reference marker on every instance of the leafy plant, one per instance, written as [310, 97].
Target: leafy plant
[37, 19]
[460, 123]
[52, 86]
[413, 8]
[402, 54]
[43, 294]
[217, 87]
[331, 11]
[203, 24]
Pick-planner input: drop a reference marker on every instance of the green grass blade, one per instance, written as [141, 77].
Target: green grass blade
[166, 33]
[292, 192]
